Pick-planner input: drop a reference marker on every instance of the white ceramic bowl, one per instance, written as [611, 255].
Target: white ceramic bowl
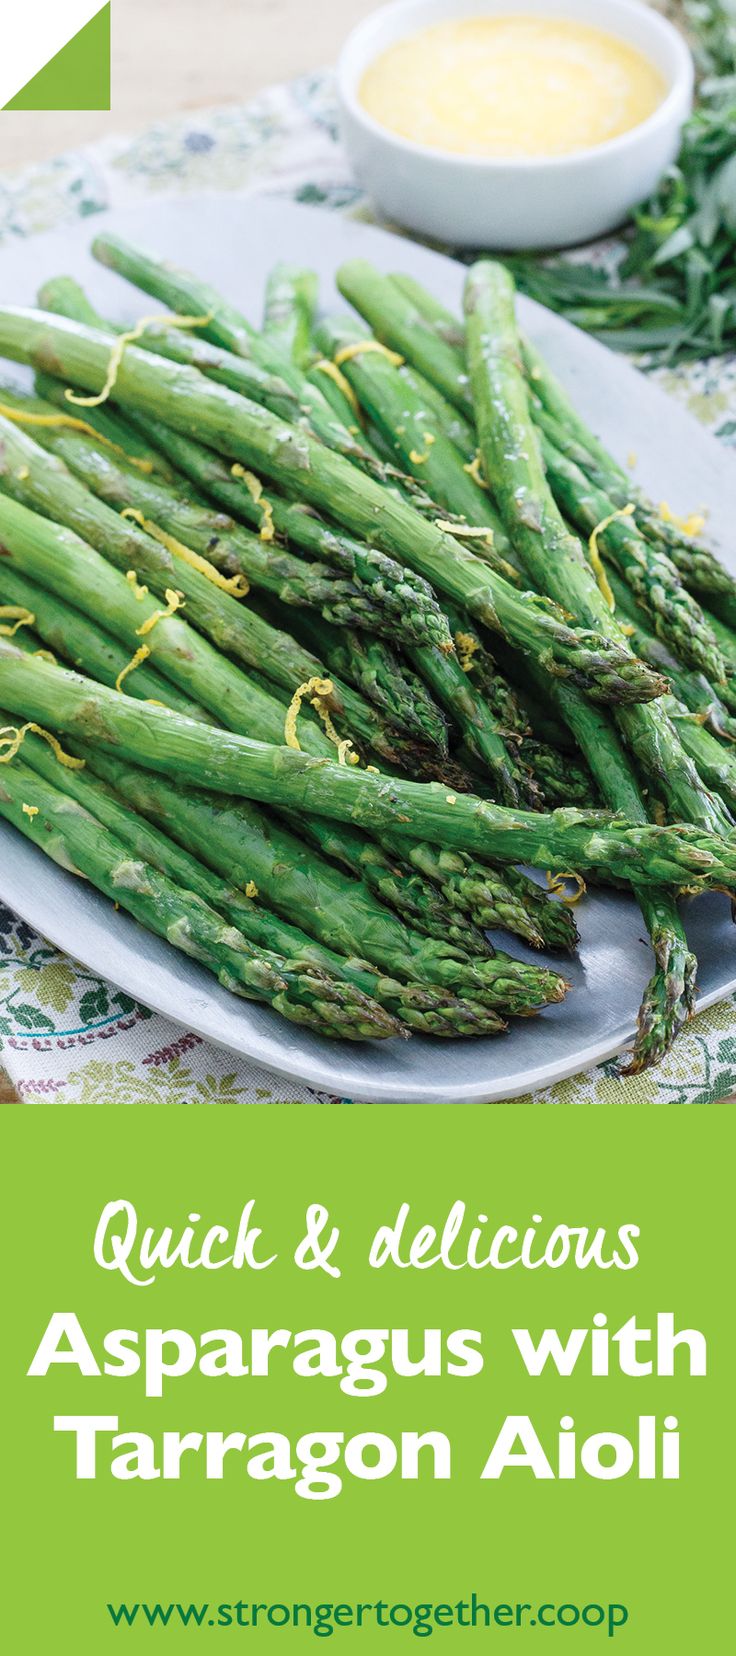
[473, 201]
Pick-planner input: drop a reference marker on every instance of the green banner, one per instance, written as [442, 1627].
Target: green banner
[368, 1375]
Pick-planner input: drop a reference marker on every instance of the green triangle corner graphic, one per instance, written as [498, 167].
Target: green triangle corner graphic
[78, 77]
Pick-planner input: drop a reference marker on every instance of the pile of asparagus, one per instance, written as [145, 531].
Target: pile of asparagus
[311, 637]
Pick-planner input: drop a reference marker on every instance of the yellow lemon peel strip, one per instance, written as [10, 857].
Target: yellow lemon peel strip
[141, 654]
[251, 889]
[466, 646]
[118, 349]
[324, 366]
[360, 347]
[418, 459]
[174, 601]
[138, 590]
[473, 470]
[30, 810]
[255, 489]
[596, 560]
[236, 585]
[466, 531]
[316, 689]
[556, 884]
[692, 525]
[20, 417]
[12, 738]
[46, 655]
[19, 615]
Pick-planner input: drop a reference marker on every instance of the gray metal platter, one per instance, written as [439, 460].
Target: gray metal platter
[233, 242]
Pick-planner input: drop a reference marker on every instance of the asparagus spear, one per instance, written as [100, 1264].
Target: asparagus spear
[232, 549]
[474, 888]
[372, 667]
[406, 596]
[477, 725]
[69, 634]
[653, 579]
[698, 566]
[727, 645]
[669, 998]
[389, 875]
[692, 688]
[343, 914]
[716, 763]
[397, 322]
[361, 1016]
[221, 836]
[291, 299]
[555, 920]
[232, 366]
[71, 836]
[225, 326]
[407, 422]
[447, 326]
[303, 465]
[44, 483]
[57, 559]
[222, 761]
[551, 554]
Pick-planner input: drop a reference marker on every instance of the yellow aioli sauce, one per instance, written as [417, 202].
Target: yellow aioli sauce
[511, 86]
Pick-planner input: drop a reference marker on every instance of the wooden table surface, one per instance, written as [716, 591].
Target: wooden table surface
[175, 55]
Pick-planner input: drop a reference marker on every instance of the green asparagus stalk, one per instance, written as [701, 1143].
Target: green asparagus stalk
[225, 762]
[237, 628]
[291, 299]
[265, 384]
[43, 483]
[407, 423]
[397, 321]
[56, 559]
[80, 642]
[558, 779]
[550, 778]
[225, 326]
[551, 553]
[474, 889]
[405, 596]
[396, 881]
[693, 689]
[223, 835]
[652, 577]
[231, 548]
[344, 915]
[276, 941]
[232, 366]
[446, 325]
[727, 645]
[373, 668]
[669, 998]
[554, 919]
[476, 723]
[71, 836]
[716, 763]
[698, 566]
[301, 464]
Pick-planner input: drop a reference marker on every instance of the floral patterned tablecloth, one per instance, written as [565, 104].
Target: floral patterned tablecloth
[66, 1037]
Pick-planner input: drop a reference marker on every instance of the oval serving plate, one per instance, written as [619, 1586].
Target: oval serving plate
[233, 245]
